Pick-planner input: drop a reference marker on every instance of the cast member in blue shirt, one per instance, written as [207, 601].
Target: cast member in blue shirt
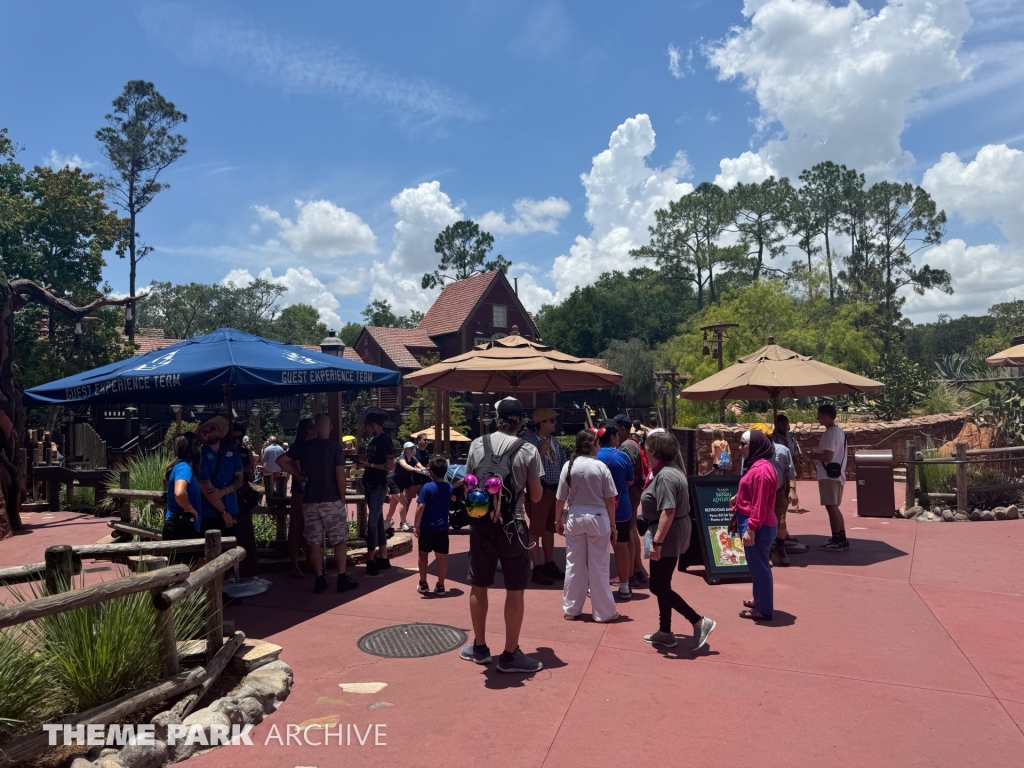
[431, 523]
[622, 473]
[220, 476]
[183, 493]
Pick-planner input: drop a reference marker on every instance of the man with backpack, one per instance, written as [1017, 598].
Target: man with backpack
[507, 468]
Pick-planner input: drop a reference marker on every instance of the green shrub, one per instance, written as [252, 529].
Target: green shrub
[145, 473]
[942, 398]
[568, 443]
[265, 528]
[25, 696]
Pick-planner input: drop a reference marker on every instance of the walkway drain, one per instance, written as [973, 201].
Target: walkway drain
[411, 641]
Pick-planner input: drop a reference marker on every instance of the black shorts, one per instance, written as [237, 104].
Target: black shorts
[434, 541]
[623, 531]
[392, 485]
[489, 543]
[410, 480]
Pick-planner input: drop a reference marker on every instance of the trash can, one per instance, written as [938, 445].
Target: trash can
[876, 492]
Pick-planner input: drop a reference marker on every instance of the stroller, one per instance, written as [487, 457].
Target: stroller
[458, 517]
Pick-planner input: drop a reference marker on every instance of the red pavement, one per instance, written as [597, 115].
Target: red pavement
[904, 651]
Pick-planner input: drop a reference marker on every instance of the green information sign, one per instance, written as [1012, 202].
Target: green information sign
[724, 557]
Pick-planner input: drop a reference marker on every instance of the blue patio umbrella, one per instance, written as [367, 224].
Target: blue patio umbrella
[225, 363]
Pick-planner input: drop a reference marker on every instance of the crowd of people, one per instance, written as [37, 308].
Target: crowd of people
[621, 497]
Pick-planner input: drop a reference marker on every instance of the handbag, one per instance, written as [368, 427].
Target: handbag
[834, 469]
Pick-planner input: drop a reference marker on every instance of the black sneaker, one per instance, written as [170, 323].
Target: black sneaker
[371, 568]
[422, 588]
[542, 578]
[835, 546]
[439, 590]
[383, 563]
[553, 571]
[346, 582]
[320, 585]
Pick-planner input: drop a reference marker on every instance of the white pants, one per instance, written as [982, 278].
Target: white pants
[587, 549]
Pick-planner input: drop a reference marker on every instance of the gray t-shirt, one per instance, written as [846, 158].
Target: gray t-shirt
[526, 465]
[669, 490]
[592, 483]
[783, 463]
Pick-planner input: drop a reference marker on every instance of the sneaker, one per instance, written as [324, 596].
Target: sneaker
[346, 582]
[542, 578]
[519, 662]
[640, 576]
[470, 653]
[835, 546]
[554, 571]
[704, 628]
[620, 595]
[664, 639]
[440, 590]
[320, 585]
[405, 528]
[383, 563]
[372, 569]
[423, 589]
[634, 581]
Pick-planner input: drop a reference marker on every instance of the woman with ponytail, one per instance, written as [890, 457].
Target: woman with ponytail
[584, 510]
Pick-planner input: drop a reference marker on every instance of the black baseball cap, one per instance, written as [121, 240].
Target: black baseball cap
[509, 408]
[622, 421]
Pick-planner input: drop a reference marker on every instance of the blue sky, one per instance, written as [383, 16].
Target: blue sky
[329, 143]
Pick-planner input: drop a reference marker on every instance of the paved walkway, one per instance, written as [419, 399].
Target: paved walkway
[904, 651]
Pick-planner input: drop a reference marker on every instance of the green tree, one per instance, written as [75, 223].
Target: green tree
[638, 304]
[463, 248]
[349, 333]
[763, 212]
[139, 144]
[899, 221]
[423, 398]
[379, 314]
[635, 361]
[822, 192]
[298, 324]
[187, 310]
[803, 225]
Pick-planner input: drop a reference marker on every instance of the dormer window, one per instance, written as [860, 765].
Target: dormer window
[500, 316]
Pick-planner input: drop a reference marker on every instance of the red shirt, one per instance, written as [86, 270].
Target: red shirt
[756, 495]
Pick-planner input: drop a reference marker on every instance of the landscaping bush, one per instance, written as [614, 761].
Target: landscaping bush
[25, 696]
[145, 473]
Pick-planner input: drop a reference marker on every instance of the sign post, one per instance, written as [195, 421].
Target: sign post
[723, 553]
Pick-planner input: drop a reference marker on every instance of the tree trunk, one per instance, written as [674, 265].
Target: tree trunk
[760, 261]
[828, 261]
[12, 422]
[129, 328]
[700, 289]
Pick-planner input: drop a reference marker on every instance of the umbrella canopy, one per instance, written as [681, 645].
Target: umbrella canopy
[428, 432]
[514, 364]
[198, 371]
[773, 372]
[1008, 358]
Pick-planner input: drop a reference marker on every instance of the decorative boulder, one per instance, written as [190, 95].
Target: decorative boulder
[1000, 513]
[252, 710]
[278, 681]
[144, 755]
[948, 516]
[976, 515]
[228, 706]
[205, 718]
[988, 514]
[961, 517]
[1012, 513]
[264, 694]
[161, 720]
[913, 512]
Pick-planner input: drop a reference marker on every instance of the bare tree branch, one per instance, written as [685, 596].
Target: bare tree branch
[21, 288]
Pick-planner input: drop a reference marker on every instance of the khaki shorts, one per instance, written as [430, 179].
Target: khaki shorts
[830, 492]
[782, 505]
[328, 519]
[542, 514]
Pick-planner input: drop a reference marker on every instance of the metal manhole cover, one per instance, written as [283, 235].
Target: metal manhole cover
[411, 641]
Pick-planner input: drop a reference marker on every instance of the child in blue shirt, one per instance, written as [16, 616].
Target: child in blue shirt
[431, 524]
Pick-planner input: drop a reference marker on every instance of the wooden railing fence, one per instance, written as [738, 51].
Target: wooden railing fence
[962, 458]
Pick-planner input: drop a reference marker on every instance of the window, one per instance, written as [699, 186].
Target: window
[500, 320]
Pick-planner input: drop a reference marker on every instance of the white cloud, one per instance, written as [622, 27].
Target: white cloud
[199, 37]
[623, 193]
[677, 66]
[840, 82]
[749, 168]
[423, 212]
[57, 161]
[303, 287]
[531, 293]
[322, 229]
[531, 216]
[401, 289]
[989, 188]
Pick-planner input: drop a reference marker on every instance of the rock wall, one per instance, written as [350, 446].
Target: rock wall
[860, 435]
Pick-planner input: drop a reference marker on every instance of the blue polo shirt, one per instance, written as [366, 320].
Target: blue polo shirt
[622, 472]
[183, 471]
[230, 463]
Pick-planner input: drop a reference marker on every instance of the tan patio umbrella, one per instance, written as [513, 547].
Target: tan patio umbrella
[1008, 358]
[775, 372]
[428, 432]
[510, 364]
[514, 364]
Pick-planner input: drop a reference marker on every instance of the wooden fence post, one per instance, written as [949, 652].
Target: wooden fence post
[911, 475]
[59, 568]
[923, 479]
[214, 599]
[961, 477]
[125, 504]
[168, 644]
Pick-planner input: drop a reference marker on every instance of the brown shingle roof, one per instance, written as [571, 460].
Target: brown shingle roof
[450, 310]
[151, 339]
[348, 353]
[396, 343]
